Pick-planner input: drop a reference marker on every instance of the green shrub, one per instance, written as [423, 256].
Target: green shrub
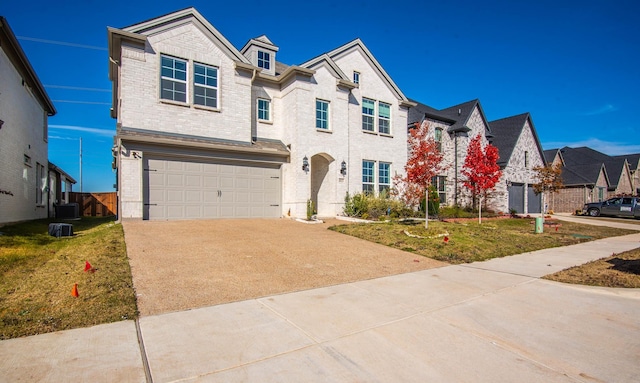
[370, 207]
[309, 209]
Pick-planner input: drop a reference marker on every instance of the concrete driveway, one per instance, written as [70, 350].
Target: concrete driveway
[179, 265]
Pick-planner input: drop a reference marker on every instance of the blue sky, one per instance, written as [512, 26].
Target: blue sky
[574, 65]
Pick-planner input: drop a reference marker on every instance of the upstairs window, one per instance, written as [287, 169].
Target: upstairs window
[438, 138]
[264, 60]
[384, 178]
[356, 77]
[205, 85]
[384, 118]
[526, 159]
[367, 177]
[264, 110]
[368, 113]
[322, 114]
[173, 79]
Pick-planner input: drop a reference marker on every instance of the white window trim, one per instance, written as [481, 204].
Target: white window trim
[380, 184]
[217, 87]
[186, 82]
[269, 110]
[356, 76]
[376, 118]
[268, 61]
[328, 119]
[373, 176]
[190, 85]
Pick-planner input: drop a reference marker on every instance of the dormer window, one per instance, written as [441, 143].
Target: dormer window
[264, 60]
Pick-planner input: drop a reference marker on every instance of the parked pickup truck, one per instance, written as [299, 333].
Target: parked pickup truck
[620, 206]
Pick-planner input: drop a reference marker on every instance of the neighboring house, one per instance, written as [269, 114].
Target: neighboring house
[520, 153]
[517, 143]
[24, 109]
[634, 169]
[453, 128]
[588, 176]
[60, 185]
[205, 130]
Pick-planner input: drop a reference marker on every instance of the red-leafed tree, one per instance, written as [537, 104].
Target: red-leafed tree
[481, 170]
[425, 162]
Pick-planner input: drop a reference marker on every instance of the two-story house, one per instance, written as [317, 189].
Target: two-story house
[518, 146]
[205, 130]
[24, 110]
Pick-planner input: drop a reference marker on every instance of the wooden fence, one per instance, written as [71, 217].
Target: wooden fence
[95, 204]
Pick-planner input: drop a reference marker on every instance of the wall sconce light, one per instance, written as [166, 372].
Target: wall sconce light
[305, 164]
[507, 182]
[343, 168]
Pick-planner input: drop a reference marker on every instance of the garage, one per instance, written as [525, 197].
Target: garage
[191, 189]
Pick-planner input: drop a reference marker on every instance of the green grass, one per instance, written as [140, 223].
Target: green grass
[618, 270]
[38, 272]
[470, 242]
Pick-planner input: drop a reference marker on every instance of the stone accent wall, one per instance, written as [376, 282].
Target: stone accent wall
[23, 133]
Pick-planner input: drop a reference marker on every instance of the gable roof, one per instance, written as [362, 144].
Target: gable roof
[583, 165]
[261, 41]
[632, 159]
[506, 133]
[456, 116]
[550, 155]
[422, 111]
[18, 58]
[357, 44]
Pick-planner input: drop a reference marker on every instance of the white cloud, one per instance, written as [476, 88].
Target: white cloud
[605, 109]
[63, 138]
[606, 147]
[100, 132]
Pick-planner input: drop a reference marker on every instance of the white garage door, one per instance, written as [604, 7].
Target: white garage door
[192, 190]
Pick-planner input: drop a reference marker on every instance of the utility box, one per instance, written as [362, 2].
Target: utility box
[539, 225]
[60, 229]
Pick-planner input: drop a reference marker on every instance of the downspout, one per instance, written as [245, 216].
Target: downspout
[455, 175]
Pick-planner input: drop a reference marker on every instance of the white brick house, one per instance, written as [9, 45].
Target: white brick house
[518, 146]
[208, 131]
[24, 109]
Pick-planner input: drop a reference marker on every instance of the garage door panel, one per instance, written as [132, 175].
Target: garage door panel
[184, 190]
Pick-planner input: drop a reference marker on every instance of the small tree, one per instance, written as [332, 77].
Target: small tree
[423, 164]
[549, 180]
[481, 170]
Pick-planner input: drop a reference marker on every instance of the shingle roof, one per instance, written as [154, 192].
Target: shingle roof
[506, 132]
[632, 159]
[420, 111]
[456, 116]
[550, 155]
[582, 165]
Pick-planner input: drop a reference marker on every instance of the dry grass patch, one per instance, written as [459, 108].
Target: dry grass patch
[618, 270]
[470, 242]
[38, 272]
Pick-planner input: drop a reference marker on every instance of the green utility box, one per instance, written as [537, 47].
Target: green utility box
[539, 225]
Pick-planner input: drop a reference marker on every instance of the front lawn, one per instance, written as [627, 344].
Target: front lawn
[470, 241]
[618, 270]
[38, 272]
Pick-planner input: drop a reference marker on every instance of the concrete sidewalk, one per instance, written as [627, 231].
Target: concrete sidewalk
[491, 321]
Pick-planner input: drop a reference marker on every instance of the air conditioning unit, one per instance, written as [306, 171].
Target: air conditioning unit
[60, 229]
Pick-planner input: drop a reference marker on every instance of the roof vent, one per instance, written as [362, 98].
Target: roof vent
[459, 111]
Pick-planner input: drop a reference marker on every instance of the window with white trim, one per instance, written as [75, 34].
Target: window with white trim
[264, 110]
[205, 85]
[384, 178]
[173, 79]
[322, 114]
[356, 77]
[526, 159]
[384, 118]
[368, 186]
[368, 113]
[264, 60]
[440, 183]
[438, 138]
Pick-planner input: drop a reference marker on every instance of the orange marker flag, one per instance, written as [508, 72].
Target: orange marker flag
[446, 239]
[87, 266]
[74, 290]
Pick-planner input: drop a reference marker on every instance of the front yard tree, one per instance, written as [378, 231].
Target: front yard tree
[549, 180]
[481, 170]
[424, 163]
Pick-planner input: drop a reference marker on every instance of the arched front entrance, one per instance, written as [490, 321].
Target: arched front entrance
[321, 185]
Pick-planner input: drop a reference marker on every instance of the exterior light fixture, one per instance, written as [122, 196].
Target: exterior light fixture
[305, 164]
[343, 168]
